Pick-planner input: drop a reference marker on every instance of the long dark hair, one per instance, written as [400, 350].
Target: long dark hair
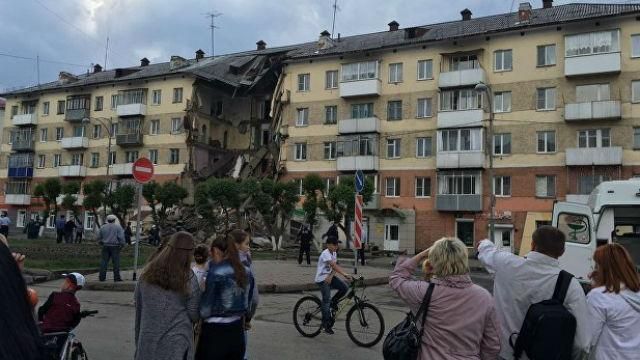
[21, 340]
[227, 244]
[170, 268]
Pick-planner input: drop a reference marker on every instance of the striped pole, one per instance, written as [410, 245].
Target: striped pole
[357, 238]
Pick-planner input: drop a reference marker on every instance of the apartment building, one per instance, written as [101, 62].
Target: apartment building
[401, 105]
[193, 118]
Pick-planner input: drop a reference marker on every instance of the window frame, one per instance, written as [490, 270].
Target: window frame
[154, 160]
[300, 151]
[424, 69]
[46, 107]
[394, 149]
[45, 132]
[42, 161]
[547, 177]
[388, 232]
[636, 136]
[305, 117]
[62, 106]
[153, 130]
[59, 133]
[427, 150]
[426, 190]
[332, 147]
[153, 97]
[546, 142]
[177, 99]
[635, 93]
[57, 160]
[502, 53]
[501, 95]
[396, 75]
[599, 137]
[333, 112]
[502, 137]
[567, 48]
[334, 76]
[99, 103]
[544, 48]
[546, 98]
[396, 107]
[304, 80]
[500, 179]
[95, 159]
[396, 187]
[427, 105]
[173, 160]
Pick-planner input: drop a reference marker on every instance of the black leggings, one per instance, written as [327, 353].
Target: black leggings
[221, 341]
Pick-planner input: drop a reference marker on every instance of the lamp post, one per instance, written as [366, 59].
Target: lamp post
[484, 88]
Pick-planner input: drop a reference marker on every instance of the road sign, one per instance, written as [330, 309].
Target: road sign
[142, 170]
[357, 240]
[359, 181]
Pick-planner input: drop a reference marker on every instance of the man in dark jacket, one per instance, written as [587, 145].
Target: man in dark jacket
[60, 229]
[69, 230]
[61, 311]
[128, 233]
[305, 236]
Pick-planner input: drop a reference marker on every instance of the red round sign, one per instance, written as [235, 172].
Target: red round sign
[142, 170]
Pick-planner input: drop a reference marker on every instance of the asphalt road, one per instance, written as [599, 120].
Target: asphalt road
[109, 335]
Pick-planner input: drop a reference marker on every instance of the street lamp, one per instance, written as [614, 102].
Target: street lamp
[484, 88]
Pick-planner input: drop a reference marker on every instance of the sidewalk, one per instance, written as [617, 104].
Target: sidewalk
[273, 276]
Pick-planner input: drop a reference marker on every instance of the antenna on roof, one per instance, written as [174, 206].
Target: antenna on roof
[38, 67]
[106, 54]
[213, 15]
[335, 9]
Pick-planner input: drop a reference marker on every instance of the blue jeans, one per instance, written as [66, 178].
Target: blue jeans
[113, 253]
[327, 300]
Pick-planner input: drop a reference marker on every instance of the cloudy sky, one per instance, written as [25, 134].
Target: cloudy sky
[70, 35]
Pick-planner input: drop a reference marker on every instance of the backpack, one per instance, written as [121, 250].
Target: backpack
[404, 340]
[549, 328]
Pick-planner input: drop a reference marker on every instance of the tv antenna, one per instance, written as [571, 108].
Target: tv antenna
[213, 15]
[336, 8]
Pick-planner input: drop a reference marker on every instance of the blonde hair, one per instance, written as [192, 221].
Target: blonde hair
[447, 256]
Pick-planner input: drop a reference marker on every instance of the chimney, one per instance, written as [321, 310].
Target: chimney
[144, 62]
[177, 62]
[547, 4]
[524, 12]
[65, 77]
[466, 14]
[393, 26]
[261, 45]
[97, 68]
[325, 41]
[199, 54]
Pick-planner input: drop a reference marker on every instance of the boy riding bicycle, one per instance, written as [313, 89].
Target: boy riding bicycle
[326, 280]
[61, 311]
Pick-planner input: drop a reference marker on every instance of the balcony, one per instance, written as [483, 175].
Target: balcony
[122, 169]
[592, 64]
[72, 171]
[17, 199]
[594, 156]
[76, 114]
[134, 139]
[136, 109]
[79, 199]
[353, 163]
[356, 88]
[24, 119]
[23, 145]
[459, 202]
[460, 118]
[467, 77]
[374, 203]
[362, 125]
[594, 110]
[76, 142]
[460, 160]
[20, 171]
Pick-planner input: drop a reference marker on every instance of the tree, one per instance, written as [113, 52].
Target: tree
[275, 201]
[70, 191]
[94, 193]
[161, 198]
[216, 195]
[121, 201]
[312, 186]
[48, 191]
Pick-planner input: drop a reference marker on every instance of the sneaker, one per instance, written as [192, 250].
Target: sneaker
[329, 331]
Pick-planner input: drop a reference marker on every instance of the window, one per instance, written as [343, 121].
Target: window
[114, 129]
[21, 218]
[502, 101]
[177, 95]
[424, 108]
[592, 43]
[635, 91]
[502, 185]
[594, 138]
[546, 141]
[44, 134]
[154, 127]
[636, 138]
[635, 45]
[503, 60]
[330, 114]
[112, 158]
[219, 108]
[153, 156]
[546, 99]
[423, 187]
[45, 108]
[59, 133]
[459, 184]
[99, 103]
[546, 55]
[501, 144]
[95, 160]
[463, 99]
[359, 111]
[423, 147]
[587, 183]
[425, 69]
[366, 70]
[176, 125]
[89, 221]
[330, 148]
[391, 232]
[545, 186]
[57, 160]
[303, 82]
[331, 79]
[393, 148]
[393, 187]
[77, 159]
[131, 156]
[97, 131]
[462, 62]
[301, 151]
[42, 160]
[303, 117]
[395, 73]
[328, 184]
[594, 92]
[157, 97]
[114, 101]
[394, 110]
[174, 156]
[78, 131]
[460, 140]
[61, 106]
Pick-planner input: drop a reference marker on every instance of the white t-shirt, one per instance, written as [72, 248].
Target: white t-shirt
[324, 266]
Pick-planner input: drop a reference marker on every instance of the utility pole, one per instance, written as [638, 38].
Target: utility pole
[106, 54]
[484, 88]
[213, 15]
[335, 9]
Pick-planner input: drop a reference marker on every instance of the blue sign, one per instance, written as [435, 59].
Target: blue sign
[359, 181]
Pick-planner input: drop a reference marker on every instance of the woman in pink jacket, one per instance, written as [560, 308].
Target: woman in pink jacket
[461, 322]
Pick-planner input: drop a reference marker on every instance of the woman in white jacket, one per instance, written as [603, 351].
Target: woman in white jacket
[614, 305]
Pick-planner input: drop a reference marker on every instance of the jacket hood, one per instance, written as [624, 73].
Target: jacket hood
[632, 298]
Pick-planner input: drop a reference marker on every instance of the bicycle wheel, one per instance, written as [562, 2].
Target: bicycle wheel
[307, 316]
[365, 324]
[78, 353]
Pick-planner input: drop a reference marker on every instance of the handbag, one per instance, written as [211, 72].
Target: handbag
[404, 340]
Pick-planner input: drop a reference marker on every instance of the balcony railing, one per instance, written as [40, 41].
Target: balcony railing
[592, 64]
[76, 114]
[460, 118]
[22, 145]
[466, 77]
[460, 159]
[459, 202]
[134, 139]
[17, 199]
[136, 109]
[76, 142]
[361, 125]
[370, 87]
[353, 163]
[594, 156]
[122, 169]
[594, 110]
[72, 171]
[20, 171]
[24, 119]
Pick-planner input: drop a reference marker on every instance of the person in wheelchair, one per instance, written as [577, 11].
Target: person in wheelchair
[61, 311]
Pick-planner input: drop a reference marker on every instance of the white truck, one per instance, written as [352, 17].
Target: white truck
[611, 215]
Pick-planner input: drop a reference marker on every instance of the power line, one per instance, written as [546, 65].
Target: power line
[41, 60]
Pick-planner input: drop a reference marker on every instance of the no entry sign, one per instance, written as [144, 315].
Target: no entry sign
[142, 170]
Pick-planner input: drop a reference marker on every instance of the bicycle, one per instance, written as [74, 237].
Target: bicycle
[363, 318]
[64, 345]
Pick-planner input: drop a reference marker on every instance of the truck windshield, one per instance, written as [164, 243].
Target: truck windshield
[627, 231]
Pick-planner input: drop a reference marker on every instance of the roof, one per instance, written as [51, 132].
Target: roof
[467, 28]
